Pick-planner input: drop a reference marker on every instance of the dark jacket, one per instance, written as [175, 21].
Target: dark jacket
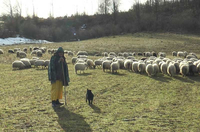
[55, 70]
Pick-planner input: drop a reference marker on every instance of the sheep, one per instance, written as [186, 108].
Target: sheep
[125, 54]
[141, 67]
[39, 63]
[80, 66]
[33, 52]
[82, 56]
[74, 59]
[1, 51]
[131, 57]
[121, 63]
[46, 63]
[105, 54]
[26, 62]
[114, 66]
[139, 53]
[25, 50]
[18, 65]
[190, 56]
[17, 49]
[154, 53]
[120, 54]
[135, 66]
[171, 70]
[192, 69]
[176, 64]
[90, 63]
[174, 53]
[106, 65]
[35, 48]
[198, 68]
[32, 61]
[155, 69]
[162, 54]
[98, 62]
[70, 53]
[181, 54]
[11, 51]
[149, 69]
[184, 69]
[39, 53]
[128, 64]
[163, 68]
[21, 54]
[112, 54]
[82, 53]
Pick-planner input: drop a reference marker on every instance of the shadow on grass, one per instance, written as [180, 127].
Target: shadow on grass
[117, 74]
[194, 78]
[84, 74]
[161, 78]
[184, 79]
[96, 109]
[71, 122]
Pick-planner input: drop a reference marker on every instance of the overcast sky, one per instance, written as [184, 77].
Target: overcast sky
[43, 8]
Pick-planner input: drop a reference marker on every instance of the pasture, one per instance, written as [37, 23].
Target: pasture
[124, 101]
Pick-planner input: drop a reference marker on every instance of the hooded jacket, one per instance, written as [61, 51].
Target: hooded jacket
[55, 69]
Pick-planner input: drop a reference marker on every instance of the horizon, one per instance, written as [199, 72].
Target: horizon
[60, 8]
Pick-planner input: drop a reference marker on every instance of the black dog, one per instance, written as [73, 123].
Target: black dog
[89, 96]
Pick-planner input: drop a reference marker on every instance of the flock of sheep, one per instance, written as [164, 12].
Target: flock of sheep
[150, 63]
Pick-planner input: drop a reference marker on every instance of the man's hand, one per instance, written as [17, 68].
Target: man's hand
[61, 59]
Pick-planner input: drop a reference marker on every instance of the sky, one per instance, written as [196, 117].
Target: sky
[43, 8]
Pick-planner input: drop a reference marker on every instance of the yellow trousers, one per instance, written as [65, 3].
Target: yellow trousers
[56, 90]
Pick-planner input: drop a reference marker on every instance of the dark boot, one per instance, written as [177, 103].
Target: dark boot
[58, 103]
[53, 103]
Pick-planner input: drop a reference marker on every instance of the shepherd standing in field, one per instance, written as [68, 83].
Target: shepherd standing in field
[58, 75]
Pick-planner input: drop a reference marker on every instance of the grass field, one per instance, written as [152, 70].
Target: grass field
[125, 101]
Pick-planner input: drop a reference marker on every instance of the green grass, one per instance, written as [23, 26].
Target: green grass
[124, 101]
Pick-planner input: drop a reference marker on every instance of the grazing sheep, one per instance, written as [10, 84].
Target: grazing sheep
[149, 69]
[98, 62]
[162, 54]
[163, 68]
[82, 53]
[139, 53]
[106, 65]
[70, 53]
[181, 54]
[17, 49]
[120, 54]
[25, 50]
[46, 63]
[112, 54]
[114, 66]
[171, 70]
[1, 51]
[154, 54]
[39, 53]
[190, 56]
[82, 56]
[121, 63]
[18, 65]
[128, 64]
[176, 64]
[90, 63]
[125, 54]
[35, 48]
[80, 67]
[39, 63]
[174, 53]
[131, 57]
[192, 69]
[135, 67]
[26, 62]
[141, 67]
[155, 69]
[184, 69]
[10, 51]
[105, 54]
[21, 54]
[74, 59]
[33, 52]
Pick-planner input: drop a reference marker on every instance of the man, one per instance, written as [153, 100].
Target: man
[58, 75]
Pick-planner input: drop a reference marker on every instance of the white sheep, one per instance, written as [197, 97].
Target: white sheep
[39, 53]
[18, 65]
[115, 66]
[80, 67]
[135, 67]
[184, 69]
[21, 54]
[82, 53]
[181, 54]
[163, 68]
[26, 62]
[149, 69]
[171, 69]
[39, 63]
[46, 63]
[141, 67]
[10, 51]
[74, 59]
[90, 63]
[128, 64]
[98, 62]
[106, 65]
[1, 51]
[17, 49]
[155, 68]
[105, 54]
[174, 53]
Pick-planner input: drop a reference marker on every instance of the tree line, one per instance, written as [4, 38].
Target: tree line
[182, 16]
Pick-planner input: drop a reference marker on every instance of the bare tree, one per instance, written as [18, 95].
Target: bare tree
[115, 10]
[8, 5]
[104, 7]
